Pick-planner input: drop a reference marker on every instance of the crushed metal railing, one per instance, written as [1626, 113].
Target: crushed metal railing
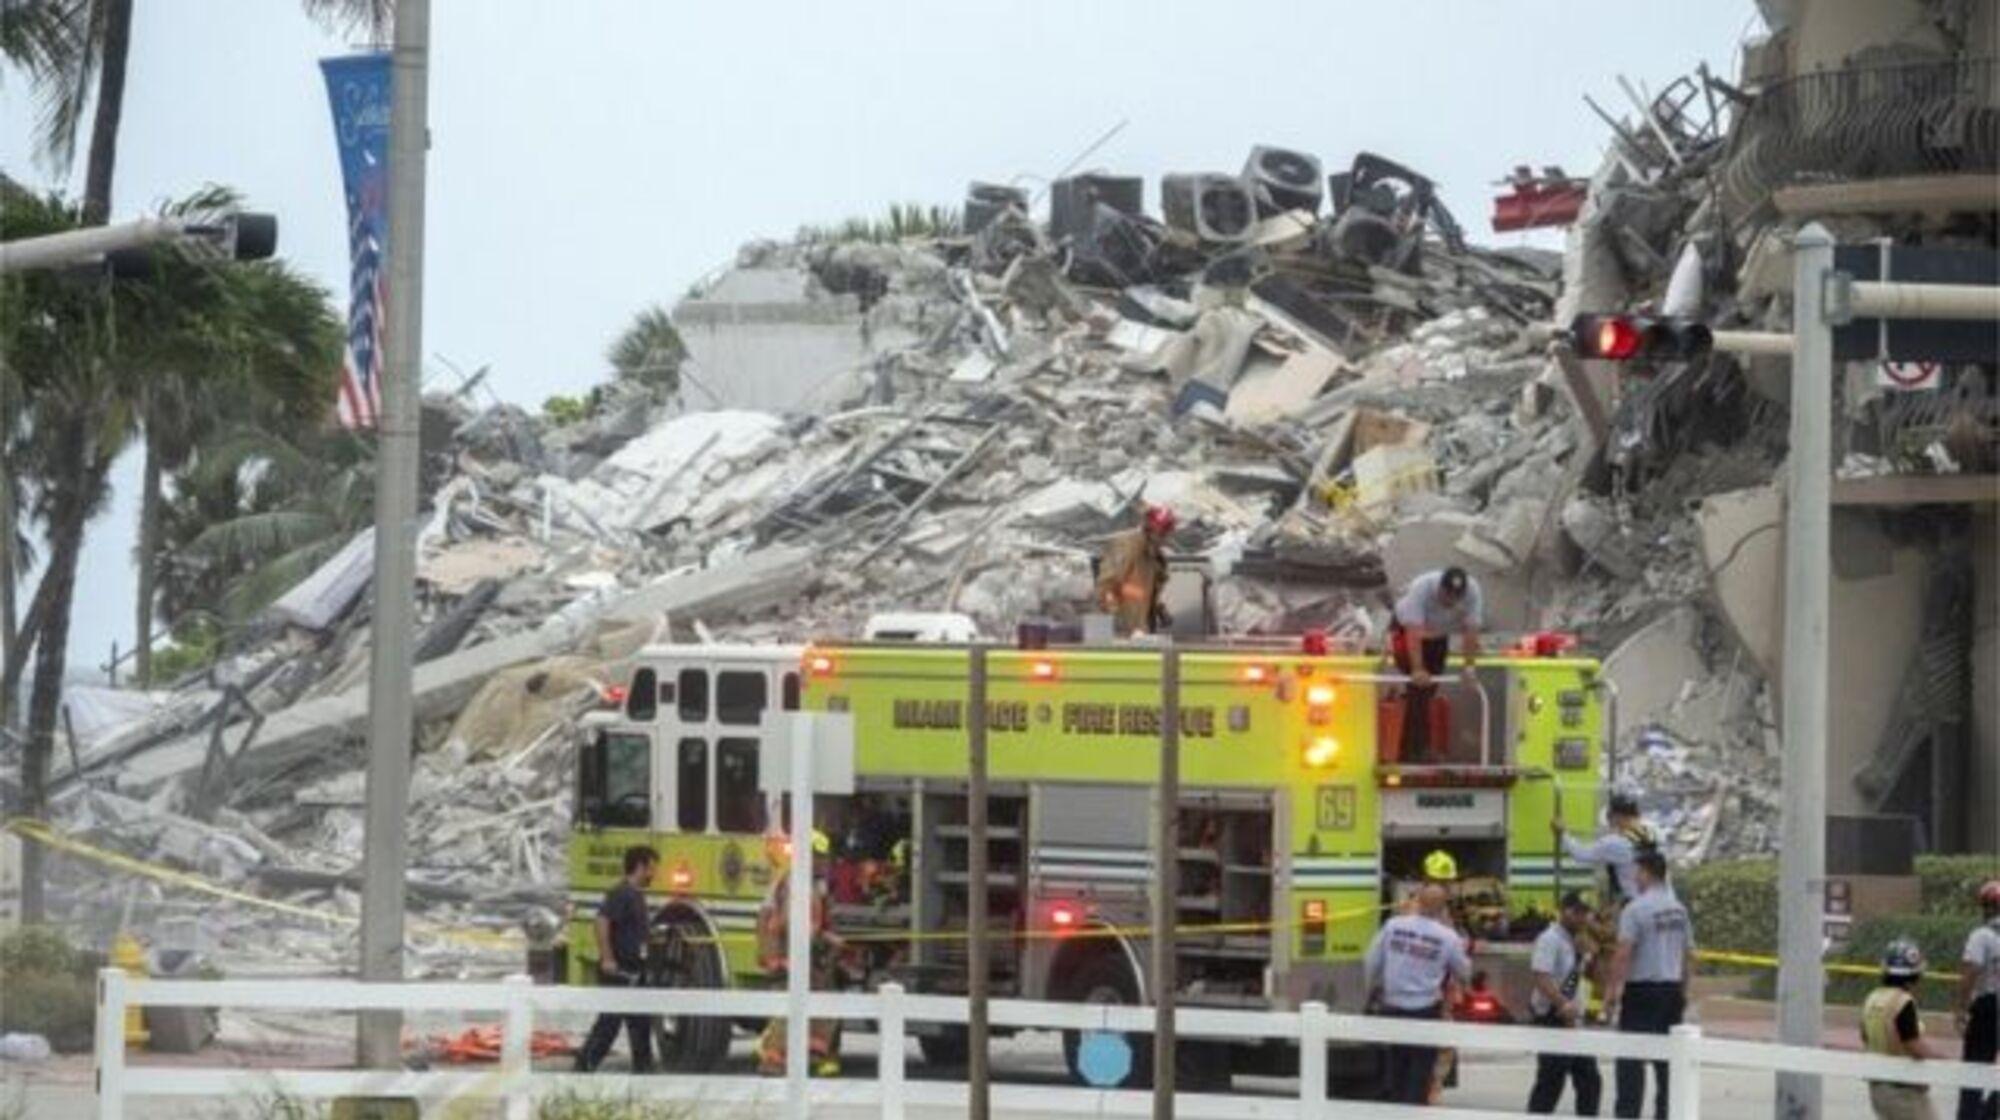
[1867, 122]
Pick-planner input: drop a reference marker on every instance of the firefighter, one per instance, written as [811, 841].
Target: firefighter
[621, 963]
[1413, 966]
[1646, 992]
[1132, 574]
[1616, 848]
[1891, 1025]
[773, 946]
[1979, 1002]
[1434, 606]
[1557, 964]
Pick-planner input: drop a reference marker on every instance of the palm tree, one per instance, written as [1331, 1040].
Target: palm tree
[253, 344]
[259, 514]
[650, 351]
[68, 342]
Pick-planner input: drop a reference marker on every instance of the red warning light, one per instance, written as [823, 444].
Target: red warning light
[819, 665]
[1617, 339]
[1063, 917]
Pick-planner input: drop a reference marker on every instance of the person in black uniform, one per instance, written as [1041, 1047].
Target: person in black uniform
[622, 927]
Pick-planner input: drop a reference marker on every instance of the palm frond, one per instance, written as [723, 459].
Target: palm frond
[253, 536]
[375, 17]
[259, 587]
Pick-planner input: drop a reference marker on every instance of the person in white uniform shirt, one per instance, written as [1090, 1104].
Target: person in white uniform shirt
[1979, 1002]
[1647, 989]
[1412, 965]
[1557, 965]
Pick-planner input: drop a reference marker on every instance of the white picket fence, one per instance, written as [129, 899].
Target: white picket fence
[1687, 1052]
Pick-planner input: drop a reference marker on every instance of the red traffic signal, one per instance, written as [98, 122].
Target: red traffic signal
[1623, 338]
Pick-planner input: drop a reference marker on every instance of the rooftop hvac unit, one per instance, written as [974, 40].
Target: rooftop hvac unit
[1215, 208]
[1281, 179]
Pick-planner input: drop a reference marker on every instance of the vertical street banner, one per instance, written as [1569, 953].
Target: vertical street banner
[359, 87]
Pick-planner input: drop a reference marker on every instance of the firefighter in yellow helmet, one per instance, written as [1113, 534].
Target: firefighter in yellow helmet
[1441, 867]
[773, 931]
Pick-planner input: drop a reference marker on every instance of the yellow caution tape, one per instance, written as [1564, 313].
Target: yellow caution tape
[41, 833]
[1755, 960]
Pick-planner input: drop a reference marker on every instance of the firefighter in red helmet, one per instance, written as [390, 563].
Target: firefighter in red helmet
[1132, 574]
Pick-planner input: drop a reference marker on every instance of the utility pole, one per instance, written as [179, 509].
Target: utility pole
[1166, 883]
[390, 721]
[978, 951]
[1802, 856]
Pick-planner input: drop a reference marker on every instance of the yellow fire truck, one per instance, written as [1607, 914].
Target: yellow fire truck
[1299, 825]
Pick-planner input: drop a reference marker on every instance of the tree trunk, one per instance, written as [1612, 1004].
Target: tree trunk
[149, 555]
[110, 107]
[8, 634]
[66, 526]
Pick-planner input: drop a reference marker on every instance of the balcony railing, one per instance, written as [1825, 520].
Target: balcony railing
[1866, 122]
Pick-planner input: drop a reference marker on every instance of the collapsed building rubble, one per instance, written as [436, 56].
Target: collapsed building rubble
[1333, 400]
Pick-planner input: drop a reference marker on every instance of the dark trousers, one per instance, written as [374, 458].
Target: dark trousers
[604, 1032]
[1407, 1070]
[1552, 1070]
[1982, 1041]
[1432, 653]
[1647, 1008]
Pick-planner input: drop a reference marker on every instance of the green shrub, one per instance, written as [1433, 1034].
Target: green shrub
[1951, 883]
[562, 411]
[1734, 905]
[37, 951]
[58, 1006]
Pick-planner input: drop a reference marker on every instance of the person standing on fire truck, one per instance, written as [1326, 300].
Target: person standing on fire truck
[773, 931]
[1434, 606]
[1413, 965]
[1132, 574]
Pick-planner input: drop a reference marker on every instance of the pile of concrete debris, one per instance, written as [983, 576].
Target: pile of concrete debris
[1333, 389]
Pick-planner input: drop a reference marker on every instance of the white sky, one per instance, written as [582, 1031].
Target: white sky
[591, 157]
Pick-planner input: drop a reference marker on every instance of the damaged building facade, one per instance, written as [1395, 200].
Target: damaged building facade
[1312, 363]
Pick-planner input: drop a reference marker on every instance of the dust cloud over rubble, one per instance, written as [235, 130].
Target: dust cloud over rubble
[1330, 384]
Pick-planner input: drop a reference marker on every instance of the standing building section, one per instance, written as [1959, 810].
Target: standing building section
[1299, 827]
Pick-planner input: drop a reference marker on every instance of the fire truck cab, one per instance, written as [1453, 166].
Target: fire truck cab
[1300, 823]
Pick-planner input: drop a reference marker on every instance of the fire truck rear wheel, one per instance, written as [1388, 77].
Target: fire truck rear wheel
[689, 1043]
[947, 1049]
[1107, 978]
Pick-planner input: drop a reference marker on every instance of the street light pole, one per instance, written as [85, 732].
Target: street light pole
[1802, 858]
[390, 719]
[1166, 883]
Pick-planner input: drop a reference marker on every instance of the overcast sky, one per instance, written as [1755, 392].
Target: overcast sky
[594, 156]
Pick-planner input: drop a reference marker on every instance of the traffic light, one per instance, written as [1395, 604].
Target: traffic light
[1624, 338]
[241, 236]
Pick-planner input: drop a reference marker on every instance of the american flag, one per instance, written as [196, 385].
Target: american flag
[361, 377]
[359, 88]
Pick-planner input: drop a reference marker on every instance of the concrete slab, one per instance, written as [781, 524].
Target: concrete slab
[1651, 666]
[1742, 542]
[443, 686]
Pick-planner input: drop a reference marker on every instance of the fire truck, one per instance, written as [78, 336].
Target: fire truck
[1300, 824]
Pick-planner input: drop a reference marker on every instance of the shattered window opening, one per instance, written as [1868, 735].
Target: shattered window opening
[691, 786]
[694, 695]
[617, 790]
[641, 703]
[739, 807]
[740, 697]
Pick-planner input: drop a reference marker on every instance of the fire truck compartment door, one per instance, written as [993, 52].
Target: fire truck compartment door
[1444, 812]
[832, 750]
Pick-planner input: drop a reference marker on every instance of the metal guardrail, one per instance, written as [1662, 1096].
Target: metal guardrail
[515, 1081]
[1866, 122]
